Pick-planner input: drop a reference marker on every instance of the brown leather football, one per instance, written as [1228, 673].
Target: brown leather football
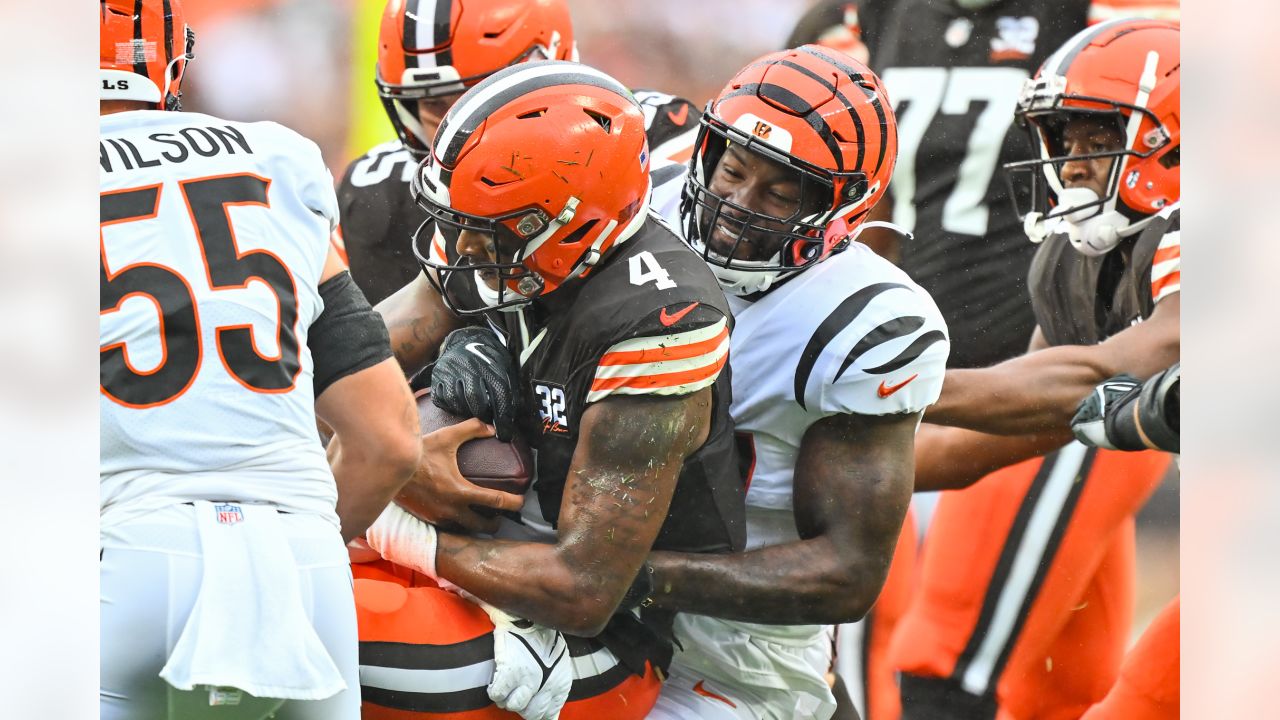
[487, 462]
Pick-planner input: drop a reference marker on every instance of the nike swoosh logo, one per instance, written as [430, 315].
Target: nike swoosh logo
[885, 391]
[714, 696]
[679, 117]
[669, 319]
[471, 348]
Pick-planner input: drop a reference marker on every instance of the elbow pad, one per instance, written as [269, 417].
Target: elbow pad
[349, 336]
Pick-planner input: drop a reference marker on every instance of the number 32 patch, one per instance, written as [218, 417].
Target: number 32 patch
[552, 408]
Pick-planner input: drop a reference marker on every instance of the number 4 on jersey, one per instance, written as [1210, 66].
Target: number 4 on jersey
[645, 268]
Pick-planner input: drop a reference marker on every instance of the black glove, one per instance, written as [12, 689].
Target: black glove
[475, 376]
[1095, 416]
[1121, 414]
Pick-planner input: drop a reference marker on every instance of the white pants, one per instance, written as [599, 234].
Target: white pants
[742, 671]
[151, 573]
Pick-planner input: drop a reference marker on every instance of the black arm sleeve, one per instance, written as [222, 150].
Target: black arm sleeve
[1149, 418]
[348, 336]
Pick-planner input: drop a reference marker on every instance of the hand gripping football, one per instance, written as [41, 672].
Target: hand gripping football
[487, 462]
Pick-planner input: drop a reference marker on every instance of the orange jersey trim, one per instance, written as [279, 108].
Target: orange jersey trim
[663, 379]
[671, 352]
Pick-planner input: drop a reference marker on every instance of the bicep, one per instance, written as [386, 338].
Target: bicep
[1148, 347]
[333, 264]
[369, 401]
[418, 321]
[854, 477]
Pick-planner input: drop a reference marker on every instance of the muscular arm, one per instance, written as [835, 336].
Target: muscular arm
[418, 320]
[376, 445]
[853, 482]
[950, 458]
[624, 471]
[1038, 392]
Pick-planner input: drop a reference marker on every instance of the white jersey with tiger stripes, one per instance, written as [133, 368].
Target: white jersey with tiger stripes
[853, 335]
[208, 293]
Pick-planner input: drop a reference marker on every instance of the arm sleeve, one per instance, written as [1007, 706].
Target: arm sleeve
[891, 360]
[678, 359]
[348, 336]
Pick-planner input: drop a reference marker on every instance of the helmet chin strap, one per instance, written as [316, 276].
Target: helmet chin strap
[744, 282]
[1092, 231]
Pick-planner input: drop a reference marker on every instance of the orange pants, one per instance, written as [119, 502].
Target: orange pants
[1026, 589]
[1149, 679]
[423, 652]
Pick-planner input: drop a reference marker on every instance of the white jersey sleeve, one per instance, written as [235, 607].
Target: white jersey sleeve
[882, 350]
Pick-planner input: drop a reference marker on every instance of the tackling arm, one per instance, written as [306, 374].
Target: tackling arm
[1038, 392]
[418, 322]
[624, 471]
[853, 481]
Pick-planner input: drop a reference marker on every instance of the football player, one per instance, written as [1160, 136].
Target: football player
[429, 52]
[227, 325]
[835, 355]
[954, 69]
[539, 182]
[1043, 633]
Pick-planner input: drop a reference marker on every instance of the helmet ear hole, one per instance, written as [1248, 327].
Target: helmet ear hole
[580, 232]
[1172, 158]
[854, 190]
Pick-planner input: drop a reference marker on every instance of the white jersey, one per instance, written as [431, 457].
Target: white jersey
[854, 335]
[214, 236]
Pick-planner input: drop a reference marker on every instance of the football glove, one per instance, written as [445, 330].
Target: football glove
[476, 376]
[1090, 421]
[1123, 414]
[532, 669]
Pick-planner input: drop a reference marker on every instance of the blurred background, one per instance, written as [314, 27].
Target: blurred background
[309, 64]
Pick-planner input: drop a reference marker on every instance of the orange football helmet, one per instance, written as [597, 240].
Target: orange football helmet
[1125, 71]
[435, 48]
[144, 46]
[549, 158]
[817, 111]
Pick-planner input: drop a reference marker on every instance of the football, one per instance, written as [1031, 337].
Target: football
[487, 462]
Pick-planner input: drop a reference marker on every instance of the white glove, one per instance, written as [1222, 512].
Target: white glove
[532, 670]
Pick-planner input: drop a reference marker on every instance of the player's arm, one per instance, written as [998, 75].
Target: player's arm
[629, 455]
[418, 321]
[1038, 392]
[853, 481]
[364, 397]
[952, 458]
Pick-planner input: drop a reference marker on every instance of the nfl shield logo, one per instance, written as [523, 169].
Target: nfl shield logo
[228, 514]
